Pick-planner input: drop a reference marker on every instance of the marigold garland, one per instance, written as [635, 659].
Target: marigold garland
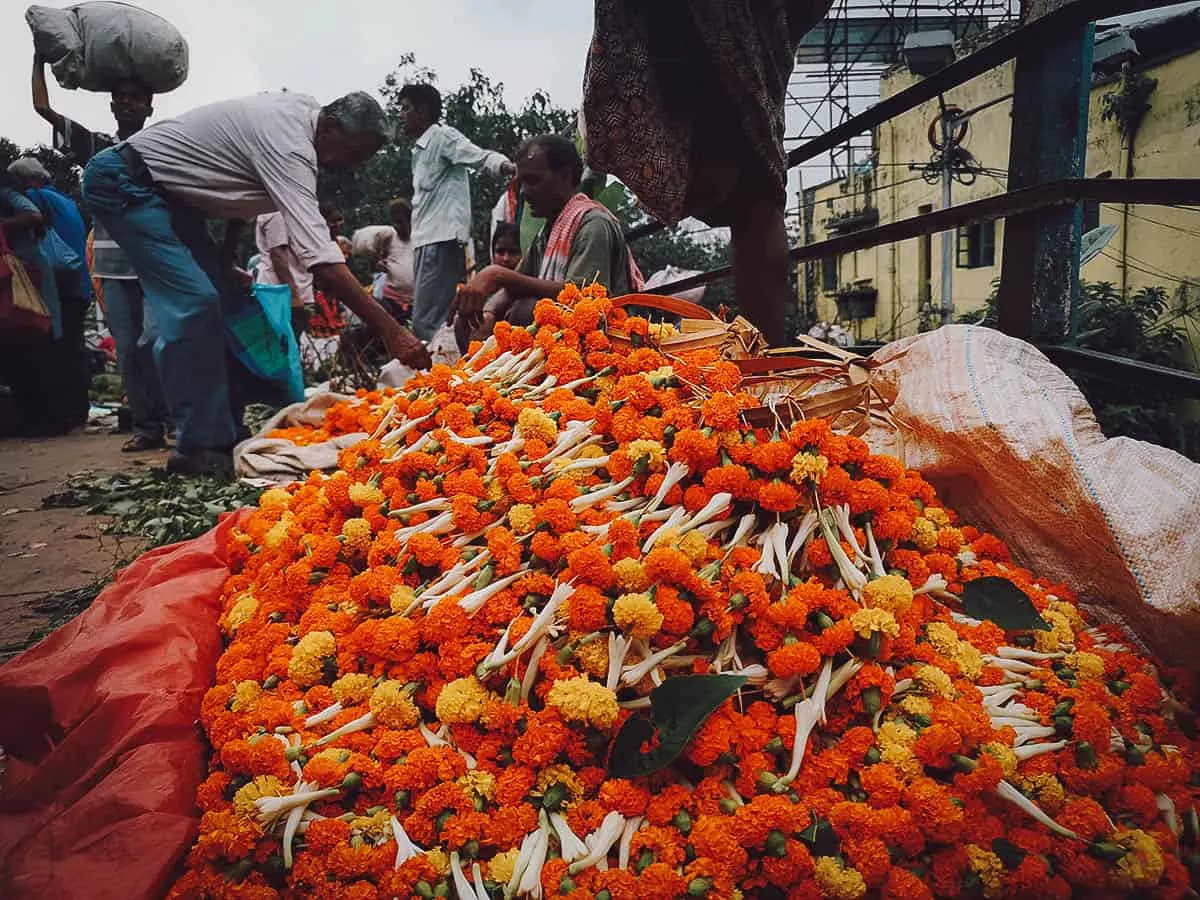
[431, 652]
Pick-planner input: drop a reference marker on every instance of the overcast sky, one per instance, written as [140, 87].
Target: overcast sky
[324, 48]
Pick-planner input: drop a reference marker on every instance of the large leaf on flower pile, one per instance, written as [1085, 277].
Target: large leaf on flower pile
[678, 707]
[999, 600]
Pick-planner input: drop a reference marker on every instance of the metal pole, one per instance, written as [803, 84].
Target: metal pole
[948, 236]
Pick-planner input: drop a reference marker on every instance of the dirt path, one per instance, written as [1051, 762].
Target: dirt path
[44, 551]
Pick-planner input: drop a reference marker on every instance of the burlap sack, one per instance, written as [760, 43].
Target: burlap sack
[1012, 444]
[276, 460]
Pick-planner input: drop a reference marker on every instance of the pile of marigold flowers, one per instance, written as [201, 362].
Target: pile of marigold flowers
[566, 626]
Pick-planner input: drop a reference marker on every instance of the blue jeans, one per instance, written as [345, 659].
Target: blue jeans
[177, 264]
[124, 313]
[438, 271]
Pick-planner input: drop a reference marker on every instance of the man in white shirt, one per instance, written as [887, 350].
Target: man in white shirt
[232, 160]
[441, 203]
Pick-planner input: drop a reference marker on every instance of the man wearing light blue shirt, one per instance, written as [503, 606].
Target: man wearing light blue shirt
[441, 203]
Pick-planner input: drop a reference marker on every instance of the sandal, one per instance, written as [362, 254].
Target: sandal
[140, 443]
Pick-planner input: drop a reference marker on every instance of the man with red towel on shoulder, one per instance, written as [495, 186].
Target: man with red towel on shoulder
[581, 242]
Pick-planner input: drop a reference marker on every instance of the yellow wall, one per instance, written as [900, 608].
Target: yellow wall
[1160, 241]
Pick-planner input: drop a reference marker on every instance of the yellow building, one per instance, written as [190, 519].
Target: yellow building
[894, 290]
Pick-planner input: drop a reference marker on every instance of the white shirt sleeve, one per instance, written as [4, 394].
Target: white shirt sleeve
[290, 179]
[458, 150]
[271, 232]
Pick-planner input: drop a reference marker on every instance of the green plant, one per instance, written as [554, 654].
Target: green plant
[1128, 104]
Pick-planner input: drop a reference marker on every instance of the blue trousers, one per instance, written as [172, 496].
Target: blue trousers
[438, 271]
[125, 314]
[177, 265]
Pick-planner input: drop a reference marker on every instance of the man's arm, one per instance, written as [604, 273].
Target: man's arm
[458, 150]
[280, 263]
[41, 96]
[339, 282]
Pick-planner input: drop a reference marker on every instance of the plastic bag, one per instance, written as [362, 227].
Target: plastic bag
[104, 756]
[97, 45]
[443, 348]
[672, 274]
[23, 312]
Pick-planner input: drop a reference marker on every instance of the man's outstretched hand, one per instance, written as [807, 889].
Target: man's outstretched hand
[405, 346]
[469, 301]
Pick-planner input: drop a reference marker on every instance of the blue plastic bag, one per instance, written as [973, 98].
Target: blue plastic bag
[260, 334]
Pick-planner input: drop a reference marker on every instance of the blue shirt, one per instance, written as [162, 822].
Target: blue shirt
[62, 213]
[27, 249]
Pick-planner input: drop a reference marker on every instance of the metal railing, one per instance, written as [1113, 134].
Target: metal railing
[1048, 161]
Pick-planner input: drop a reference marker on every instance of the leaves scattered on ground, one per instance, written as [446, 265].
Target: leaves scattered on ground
[161, 507]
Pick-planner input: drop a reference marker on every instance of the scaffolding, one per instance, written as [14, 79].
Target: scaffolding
[840, 61]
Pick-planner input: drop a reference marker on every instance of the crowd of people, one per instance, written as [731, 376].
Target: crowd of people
[176, 300]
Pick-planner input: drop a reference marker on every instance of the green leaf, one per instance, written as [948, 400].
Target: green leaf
[999, 600]
[678, 707]
[821, 839]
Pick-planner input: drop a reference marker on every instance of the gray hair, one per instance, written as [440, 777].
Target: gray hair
[29, 168]
[360, 113]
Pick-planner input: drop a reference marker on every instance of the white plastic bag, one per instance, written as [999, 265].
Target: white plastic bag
[96, 45]
[671, 274]
[444, 347]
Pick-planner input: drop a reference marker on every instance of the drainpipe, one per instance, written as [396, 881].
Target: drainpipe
[1129, 142]
[896, 312]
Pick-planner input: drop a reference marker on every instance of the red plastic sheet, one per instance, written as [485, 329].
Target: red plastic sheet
[99, 723]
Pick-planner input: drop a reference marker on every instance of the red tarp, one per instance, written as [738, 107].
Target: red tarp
[99, 723]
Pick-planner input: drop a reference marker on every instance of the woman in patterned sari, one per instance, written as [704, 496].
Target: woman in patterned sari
[683, 101]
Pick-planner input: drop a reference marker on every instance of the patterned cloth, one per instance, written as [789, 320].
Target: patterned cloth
[683, 99]
[557, 257]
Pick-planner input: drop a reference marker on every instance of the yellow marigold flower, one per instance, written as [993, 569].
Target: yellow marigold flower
[533, 423]
[307, 656]
[593, 658]
[401, 598]
[1069, 612]
[637, 616]
[439, 859]
[240, 613]
[1060, 632]
[461, 702]
[942, 636]
[937, 516]
[495, 490]
[262, 786]
[1004, 755]
[661, 330]
[500, 867]
[866, 621]
[631, 575]
[245, 695]
[916, 705]
[652, 452]
[836, 881]
[580, 699]
[393, 707]
[1086, 665]
[1142, 864]
[666, 537]
[729, 439]
[988, 868]
[1045, 790]
[969, 659]
[353, 688]
[377, 826]
[695, 547]
[478, 782]
[934, 681]
[890, 592]
[365, 494]
[520, 517]
[356, 534]
[559, 774]
[275, 497]
[808, 467]
[895, 740]
[924, 533]
[278, 532]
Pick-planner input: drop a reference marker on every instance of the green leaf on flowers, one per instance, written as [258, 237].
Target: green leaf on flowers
[678, 707]
[821, 839]
[999, 600]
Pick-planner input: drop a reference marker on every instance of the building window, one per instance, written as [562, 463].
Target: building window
[829, 275]
[977, 246]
